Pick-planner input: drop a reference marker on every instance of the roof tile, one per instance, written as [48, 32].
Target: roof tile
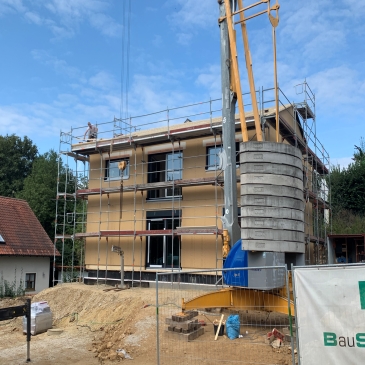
[21, 230]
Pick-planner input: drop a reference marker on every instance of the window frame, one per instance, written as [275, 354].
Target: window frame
[28, 280]
[164, 243]
[210, 167]
[126, 174]
[169, 169]
[216, 147]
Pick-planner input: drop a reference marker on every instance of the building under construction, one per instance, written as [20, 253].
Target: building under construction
[164, 207]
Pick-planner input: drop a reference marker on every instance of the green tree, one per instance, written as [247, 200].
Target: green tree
[16, 159]
[347, 188]
[40, 190]
[359, 154]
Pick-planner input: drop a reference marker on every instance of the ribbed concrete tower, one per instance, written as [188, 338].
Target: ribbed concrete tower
[272, 199]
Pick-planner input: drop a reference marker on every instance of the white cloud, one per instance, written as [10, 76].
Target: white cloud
[329, 41]
[356, 7]
[157, 40]
[342, 162]
[192, 14]
[13, 121]
[154, 93]
[191, 17]
[211, 80]
[320, 30]
[105, 24]
[338, 89]
[42, 122]
[33, 17]
[184, 38]
[64, 17]
[11, 6]
[71, 13]
[103, 80]
[59, 65]
[65, 100]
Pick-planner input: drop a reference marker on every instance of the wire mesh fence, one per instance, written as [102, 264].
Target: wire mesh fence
[202, 323]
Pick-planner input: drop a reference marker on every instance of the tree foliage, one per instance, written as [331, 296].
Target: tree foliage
[40, 189]
[27, 175]
[348, 194]
[359, 154]
[348, 187]
[345, 222]
[16, 160]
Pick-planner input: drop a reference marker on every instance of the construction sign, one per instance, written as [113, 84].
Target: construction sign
[330, 314]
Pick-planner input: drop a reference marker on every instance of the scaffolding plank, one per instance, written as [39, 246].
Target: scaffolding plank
[319, 164]
[87, 234]
[65, 195]
[315, 239]
[76, 156]
[63, 236]
[305, 111]
[151, 186]
[148, 137]
[163, 232]
[313, 198]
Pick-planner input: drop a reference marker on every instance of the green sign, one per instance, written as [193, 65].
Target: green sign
[362, 294]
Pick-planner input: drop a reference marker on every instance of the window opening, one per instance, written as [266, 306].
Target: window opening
[112, 172]
[163, 251]
[164, 167]
[212, 157]
[30, 281]
[2, 239]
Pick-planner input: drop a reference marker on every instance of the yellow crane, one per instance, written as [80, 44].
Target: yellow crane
[240, 298]
[236, 82]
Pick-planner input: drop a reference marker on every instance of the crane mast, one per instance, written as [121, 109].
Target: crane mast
[228, 155]
[232, 94]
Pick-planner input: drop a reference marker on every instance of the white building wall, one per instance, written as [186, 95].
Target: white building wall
[15, 267]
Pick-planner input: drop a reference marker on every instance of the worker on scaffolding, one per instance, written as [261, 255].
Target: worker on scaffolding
[92, 132]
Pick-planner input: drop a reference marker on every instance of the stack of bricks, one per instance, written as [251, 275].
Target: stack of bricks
[182, 326]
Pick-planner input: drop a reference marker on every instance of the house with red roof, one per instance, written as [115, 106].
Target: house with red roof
[25, 248]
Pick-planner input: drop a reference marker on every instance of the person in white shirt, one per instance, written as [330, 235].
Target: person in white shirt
[92, 131]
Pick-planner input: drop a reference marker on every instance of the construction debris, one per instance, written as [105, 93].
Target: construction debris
[276, 343]
[124, 354]
[54, 331]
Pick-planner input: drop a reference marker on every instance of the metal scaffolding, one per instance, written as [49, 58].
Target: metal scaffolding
[81, 183]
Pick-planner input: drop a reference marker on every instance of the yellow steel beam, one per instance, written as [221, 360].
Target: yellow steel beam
[250, 6]
[240, 299]
[251, 17]
[236, 73]
[250, 74]
[275, 22]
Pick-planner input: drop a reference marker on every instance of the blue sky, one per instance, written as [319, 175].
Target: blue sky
[61, 62]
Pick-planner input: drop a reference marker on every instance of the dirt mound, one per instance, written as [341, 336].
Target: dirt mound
[95, 323]
[120, 320]
[105, 327]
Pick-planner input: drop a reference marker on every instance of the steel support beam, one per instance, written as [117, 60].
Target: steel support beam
[230, 218]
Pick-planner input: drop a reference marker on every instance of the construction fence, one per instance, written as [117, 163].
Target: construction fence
[315, 317]
[224, 325]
